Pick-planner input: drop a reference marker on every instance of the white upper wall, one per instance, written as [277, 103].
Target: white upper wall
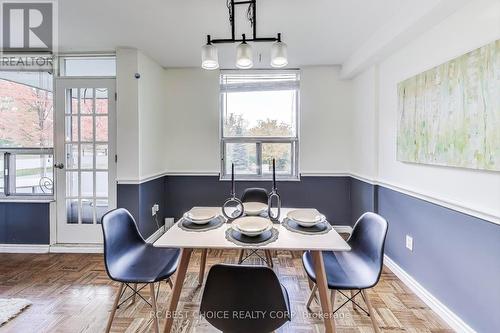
[127, 116]
[193, 139]
[325, 107]
[478, 192]
[140, 116]
[152, 117]
[364, 125]
[192, 126]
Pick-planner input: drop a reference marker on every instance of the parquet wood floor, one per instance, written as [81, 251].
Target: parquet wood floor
[72, 293]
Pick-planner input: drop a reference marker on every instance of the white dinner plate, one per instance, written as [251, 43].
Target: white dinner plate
[252, 225]
[306, 216]
[254, 208]
[309, 224]
[200, 215]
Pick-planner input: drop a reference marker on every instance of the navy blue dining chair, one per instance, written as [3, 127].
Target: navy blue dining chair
[255, 194]
[244, 299]
[130, 260]
[355, 270]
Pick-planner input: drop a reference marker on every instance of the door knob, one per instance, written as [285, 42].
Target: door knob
[59, 165]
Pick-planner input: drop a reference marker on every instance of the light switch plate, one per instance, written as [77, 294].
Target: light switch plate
[409, 242]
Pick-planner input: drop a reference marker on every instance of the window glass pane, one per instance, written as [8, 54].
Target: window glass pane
[101, 207]
[72, 156]
[2, 167]
[72, 184]
[87, 210]
[34, 174]
[71, 129]
[244, 157]
[87, 156]
[87, 183]
[26, 109]
[101, 156]
[86, 100]
[260, 114]
[89, 66]
[101, 128]
[282, 153]
[101, 183]
[87, 128]
[72, 211]
[101, 102]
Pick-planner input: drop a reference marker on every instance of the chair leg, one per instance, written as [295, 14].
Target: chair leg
[269, 258]
[113, 310]
[370, 310]
[332, 293]
[240, 259]
[313, 294]
[169, 282]
[155, 311]
[354, 307]
[133, 297]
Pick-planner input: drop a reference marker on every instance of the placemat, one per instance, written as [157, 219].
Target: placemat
[263, 239]
[188, 225]
[318, 229]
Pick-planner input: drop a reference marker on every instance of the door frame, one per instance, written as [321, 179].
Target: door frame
[81, 233]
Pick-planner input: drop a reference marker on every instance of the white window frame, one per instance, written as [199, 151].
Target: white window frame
[259, 141]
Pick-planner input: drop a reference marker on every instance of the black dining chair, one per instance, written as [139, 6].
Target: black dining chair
[244, 299]
[255, 194]
[131, 261]
[355, 270]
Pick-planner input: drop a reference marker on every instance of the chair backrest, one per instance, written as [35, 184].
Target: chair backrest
[367, 241]
[243, 299]
[255, 194]
[121, 237]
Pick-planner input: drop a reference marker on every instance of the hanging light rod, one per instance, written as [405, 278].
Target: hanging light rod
[253, 19]
[244, 52]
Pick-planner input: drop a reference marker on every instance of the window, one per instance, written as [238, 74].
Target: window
[259, 115]
[95, 66]
[26, 134]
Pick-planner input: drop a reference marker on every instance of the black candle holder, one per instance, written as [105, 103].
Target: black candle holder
[233, 201]
[274, 195]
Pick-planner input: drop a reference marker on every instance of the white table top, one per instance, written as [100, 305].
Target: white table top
[216, 239]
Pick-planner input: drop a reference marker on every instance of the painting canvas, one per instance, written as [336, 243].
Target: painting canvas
[450, 114]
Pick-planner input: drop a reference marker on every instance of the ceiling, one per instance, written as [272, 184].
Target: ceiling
[317, 32]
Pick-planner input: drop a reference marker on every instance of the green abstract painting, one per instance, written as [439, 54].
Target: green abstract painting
[450, 114]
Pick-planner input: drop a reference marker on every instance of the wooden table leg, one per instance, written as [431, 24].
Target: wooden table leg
[176, 292]
[321, 282]
[203, 262]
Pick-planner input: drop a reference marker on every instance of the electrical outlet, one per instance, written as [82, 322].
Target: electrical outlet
[409, 242]
[155, 209]
[169, 222]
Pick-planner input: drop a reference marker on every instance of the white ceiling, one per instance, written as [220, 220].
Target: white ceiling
[317, 32]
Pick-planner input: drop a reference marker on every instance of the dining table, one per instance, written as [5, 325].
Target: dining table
[187, 241]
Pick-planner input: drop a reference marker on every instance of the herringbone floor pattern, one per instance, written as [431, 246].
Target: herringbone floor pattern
[72, 293]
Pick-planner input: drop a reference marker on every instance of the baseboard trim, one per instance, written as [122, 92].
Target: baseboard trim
[455, 322]
[24, 248]
[151, 239]
[76, 248]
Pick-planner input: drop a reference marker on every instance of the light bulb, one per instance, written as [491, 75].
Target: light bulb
[209, 57]
[279, 54]
[244, 56]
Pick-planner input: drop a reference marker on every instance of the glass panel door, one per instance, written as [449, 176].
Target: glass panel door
[85, 157]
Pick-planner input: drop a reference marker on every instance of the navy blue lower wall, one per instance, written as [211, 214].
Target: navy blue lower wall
[139, 198]
[24, 223]
[456, 257]
[330, 195]
[363, 198]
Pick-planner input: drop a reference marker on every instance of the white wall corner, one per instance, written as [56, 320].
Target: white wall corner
[417, 18]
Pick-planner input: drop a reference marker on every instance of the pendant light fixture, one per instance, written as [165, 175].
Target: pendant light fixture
[279, 53]
[209, 56]
[244, 59]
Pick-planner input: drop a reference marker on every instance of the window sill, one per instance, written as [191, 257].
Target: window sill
[26, 200]
[294, 179]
